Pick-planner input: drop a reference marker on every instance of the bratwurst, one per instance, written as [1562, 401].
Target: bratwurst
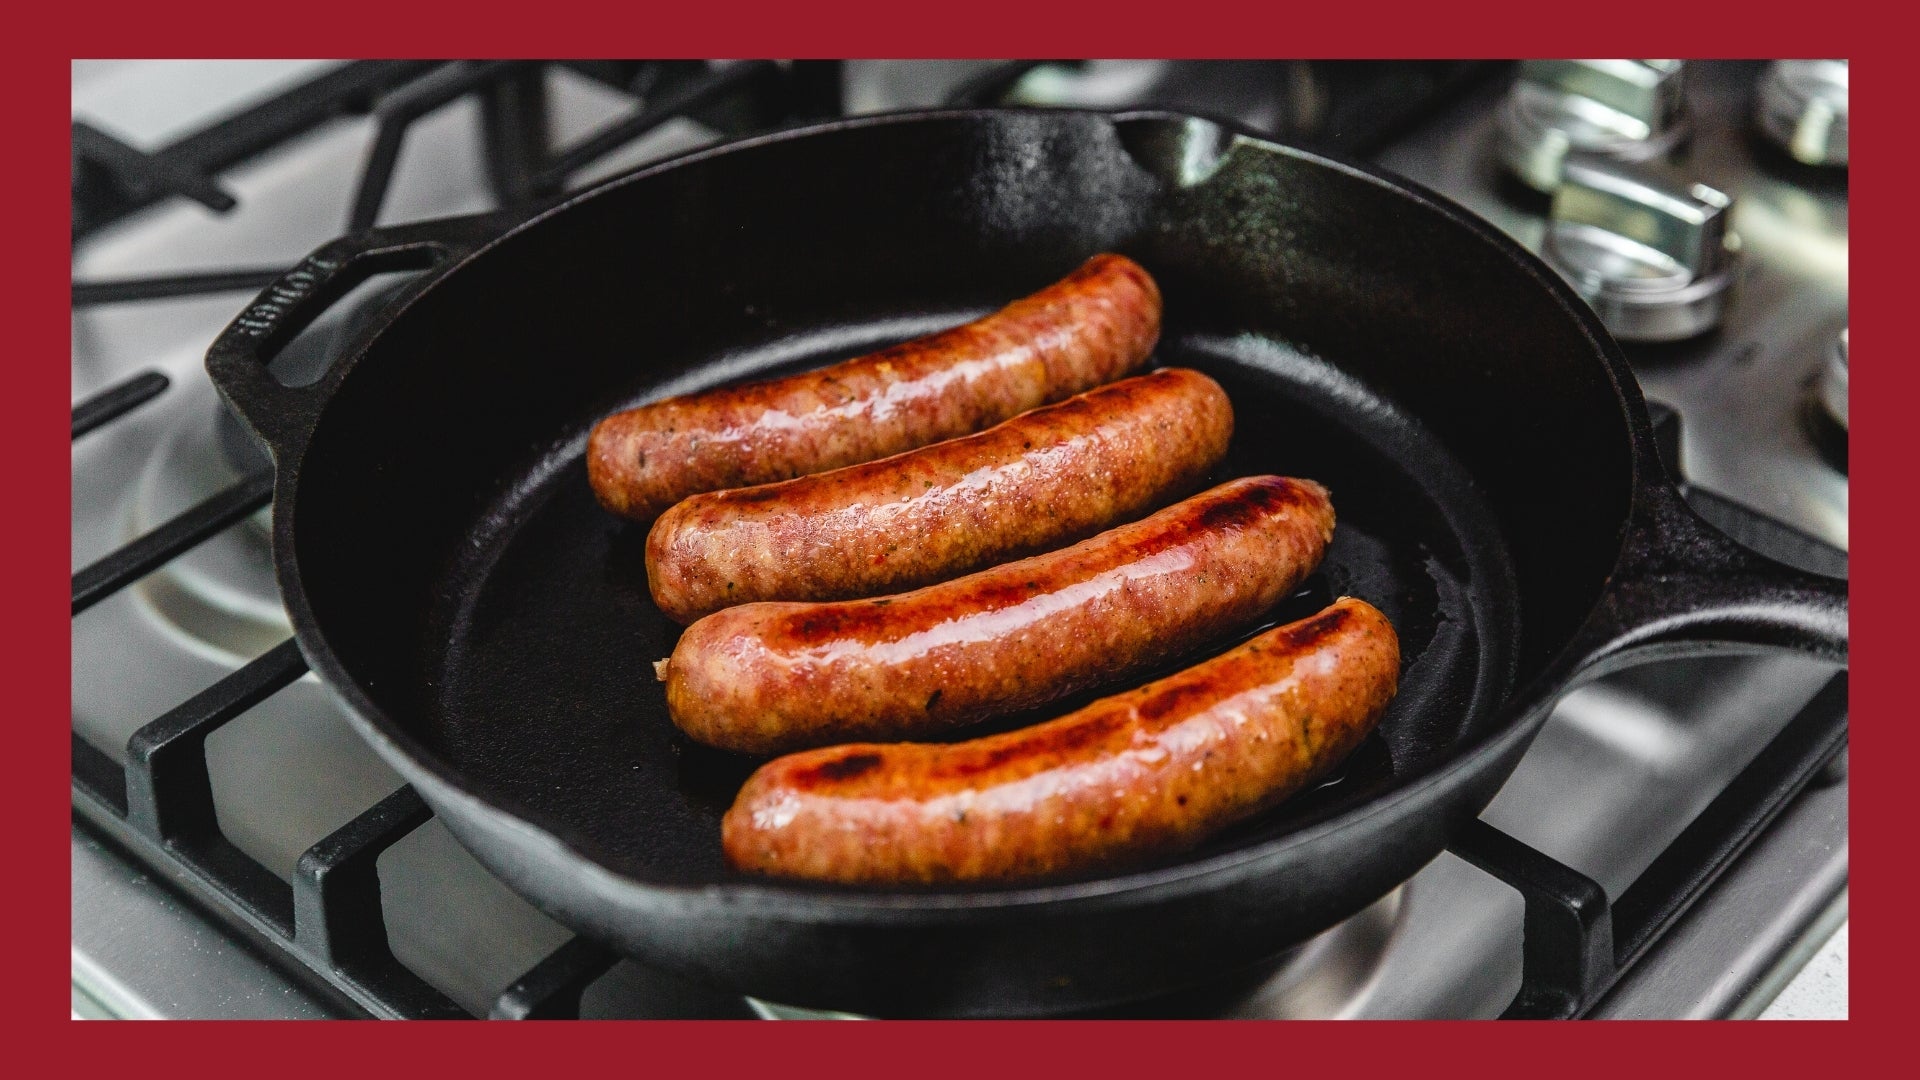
[1094, 326]
[1143, 773]
[1041, 480]
[771, 677]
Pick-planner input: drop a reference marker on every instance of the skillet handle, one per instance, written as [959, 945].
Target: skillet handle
[1685, 589]
[282, 415]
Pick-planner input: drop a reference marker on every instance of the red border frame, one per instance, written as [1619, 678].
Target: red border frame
[35, 632]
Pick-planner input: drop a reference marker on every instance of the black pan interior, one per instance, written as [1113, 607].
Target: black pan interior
[462, 574]
[544, 694]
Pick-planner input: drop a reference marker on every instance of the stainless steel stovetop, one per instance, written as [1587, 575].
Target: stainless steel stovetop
[1621, 768]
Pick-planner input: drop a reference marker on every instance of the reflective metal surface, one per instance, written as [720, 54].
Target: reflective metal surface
[1731, 956]
[138, 952]
[1739, 390]
[1819, 991]
[1651, 254]
[1625, 110]
[1802, 106]
[1618, 771]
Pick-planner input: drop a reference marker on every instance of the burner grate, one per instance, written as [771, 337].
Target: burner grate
[133, 561]
[328, 924]
[1577, 947]
[116, 401]
[112, 179]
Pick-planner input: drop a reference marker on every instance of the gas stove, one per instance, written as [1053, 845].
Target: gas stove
[1674, 843]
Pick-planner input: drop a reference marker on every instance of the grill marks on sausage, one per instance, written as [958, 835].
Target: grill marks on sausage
[1040, 743]
[842, 769]
[1303, 635]
[1253, 505]
[1144, 772]
[1176, 699]
[759, 493]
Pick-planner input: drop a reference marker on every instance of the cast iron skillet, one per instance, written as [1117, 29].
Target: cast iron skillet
[488, 627]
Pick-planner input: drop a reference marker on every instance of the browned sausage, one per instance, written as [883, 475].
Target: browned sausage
[771, 677]
[1147, 772]
[1041, 480]
[1092, 327]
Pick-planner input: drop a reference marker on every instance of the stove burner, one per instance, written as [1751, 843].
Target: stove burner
[220, 596]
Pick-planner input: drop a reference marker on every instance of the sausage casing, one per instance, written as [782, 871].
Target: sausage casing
[1143, 773]
[1096, 325]
[1045, 478]
[771, 677]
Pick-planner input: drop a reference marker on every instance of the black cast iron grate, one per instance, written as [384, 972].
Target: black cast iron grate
[326, 928]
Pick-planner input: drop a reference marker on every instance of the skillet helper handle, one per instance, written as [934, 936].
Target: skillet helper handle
[238, 360]
[1686, 589]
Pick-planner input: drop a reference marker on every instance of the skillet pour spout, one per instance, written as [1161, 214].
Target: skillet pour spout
[487, 628]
